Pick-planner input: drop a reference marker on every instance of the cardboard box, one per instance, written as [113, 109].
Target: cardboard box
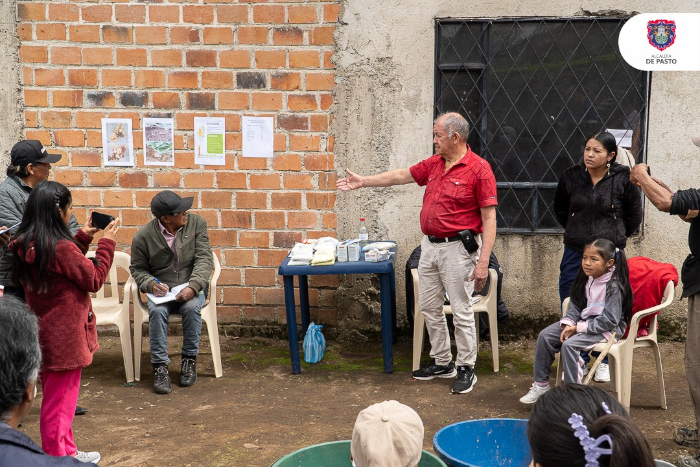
[348, 250]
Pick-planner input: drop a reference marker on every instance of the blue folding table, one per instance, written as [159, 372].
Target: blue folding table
[387, 287]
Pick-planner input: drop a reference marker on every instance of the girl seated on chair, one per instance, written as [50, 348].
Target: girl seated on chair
[601, 303]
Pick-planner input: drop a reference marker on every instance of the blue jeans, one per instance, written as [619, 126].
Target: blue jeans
[158, 327]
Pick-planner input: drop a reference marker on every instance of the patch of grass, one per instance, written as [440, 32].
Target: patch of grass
[230, 457]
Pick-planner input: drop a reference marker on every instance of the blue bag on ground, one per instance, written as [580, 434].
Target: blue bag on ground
[314, 344]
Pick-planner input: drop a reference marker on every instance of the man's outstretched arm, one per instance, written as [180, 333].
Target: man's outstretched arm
[393, 177]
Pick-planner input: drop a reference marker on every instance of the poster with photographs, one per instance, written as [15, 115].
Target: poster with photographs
[158, 141]
[209, 141]
[117, 142]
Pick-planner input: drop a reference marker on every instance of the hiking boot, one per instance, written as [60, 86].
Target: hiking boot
[188, 372]
[161, 380]
[435, 371]
[689, 461]
[534, 393]
[92, 457]
[686, 437]
[80, 410]
[602, 373]
[466, 379]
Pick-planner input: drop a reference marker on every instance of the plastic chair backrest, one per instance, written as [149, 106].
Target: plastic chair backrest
[121, 260]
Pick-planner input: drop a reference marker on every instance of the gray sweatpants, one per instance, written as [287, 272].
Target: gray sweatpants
[548, 344]
[692, 353]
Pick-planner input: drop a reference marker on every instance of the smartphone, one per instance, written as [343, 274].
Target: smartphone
[3, 232]
[100, 221]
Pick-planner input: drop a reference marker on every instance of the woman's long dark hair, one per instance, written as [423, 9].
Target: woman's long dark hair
[42, 227]
[606, 249]
[552, 439]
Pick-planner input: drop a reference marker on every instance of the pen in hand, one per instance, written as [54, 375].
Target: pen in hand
[159, 289]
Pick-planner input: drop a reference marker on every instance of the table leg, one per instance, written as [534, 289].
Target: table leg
[387, 328]
[304, 304]
[393, 305]
[292, 324]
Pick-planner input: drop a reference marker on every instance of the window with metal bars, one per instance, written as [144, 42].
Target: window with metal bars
[533, 90]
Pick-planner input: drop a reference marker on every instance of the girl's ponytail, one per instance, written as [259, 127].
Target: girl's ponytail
[621, 275]
[629, 447]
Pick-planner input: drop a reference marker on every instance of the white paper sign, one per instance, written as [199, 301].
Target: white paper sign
[257, 136]
[158, 141]
[623, 137]
[209, 140]
[117, 142]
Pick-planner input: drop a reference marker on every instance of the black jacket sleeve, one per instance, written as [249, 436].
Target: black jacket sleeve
[632, 207]
[561, 201]
[684, 201]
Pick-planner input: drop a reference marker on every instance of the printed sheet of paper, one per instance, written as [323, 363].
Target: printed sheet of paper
[257, 136]
[623, 137]
[158, 141]
[117, 142]
[168, 297]
[209, 140]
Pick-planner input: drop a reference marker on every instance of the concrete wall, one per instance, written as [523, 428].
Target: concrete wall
[10, 102]
[385, 66]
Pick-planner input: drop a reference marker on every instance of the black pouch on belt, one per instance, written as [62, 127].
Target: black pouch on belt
[468, 241]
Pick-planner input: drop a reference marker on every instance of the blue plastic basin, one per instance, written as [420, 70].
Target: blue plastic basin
[487, 442]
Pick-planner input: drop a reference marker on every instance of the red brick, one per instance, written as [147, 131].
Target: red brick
[84, 33]
[27, 75]
[232, 13]
[238, 295]
[264, 181]
[25, 32]
[316, 162]
[150, 34]
[31, 118]
[85, 119]
[240, 257]
[32, 53]
[279, 142]
[304, 58]
[149, 79]
[69, 177]
[36, 98]
[82, 77]
[228, 277]
[322, 35]
[330, 13]
[217, 80]
[137, 217]
[252, 34]
[260, 276]
[114, 198]
[234, 100]
[271, 257]
[287, 36]
[216, 199]
[293, 122]
[326, 181]
[167, 57]
[98, 56]
[320, 81]
[42, 135]
[326, 101]
[231, 180]
[198, 14]
[270, 58]
[66, 55]
[163, 13]
[270, 220]
[63, 12]
[201, 57]
[199, 180]
[87, 159]
[114, 77]
[94, 138]
[328, 60]
[285, 81]
[166, 100]
[302, 14]
[72, 98]
[222, 237]
[55, 119]
[266, 296]
[234, 59]
[200, 100]
[319, 123]
[330, 220]
[267, 100]
[325, 201]
[131, 57]
[268, 14]
[35, 11]
[249, 238]
[130, 13]
[302, 102]
[302, 220]
[184, 35]
[49, 32]
[112, 34]
[183, 79]
[96, 13]
[294, 181]
[304, 142]
[236, 219]
[69, 138]
[251, 163]
[286, 162]
[217, 35]
[251, 200]
[166, 179]
[133, 179]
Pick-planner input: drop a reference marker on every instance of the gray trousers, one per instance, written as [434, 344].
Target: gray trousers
[548, 344]
[692, 353]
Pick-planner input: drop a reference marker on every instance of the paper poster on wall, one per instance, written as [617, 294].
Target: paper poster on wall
[158, 141]
[209, 140]
[257, 136]
[117, 142]
[623, 137]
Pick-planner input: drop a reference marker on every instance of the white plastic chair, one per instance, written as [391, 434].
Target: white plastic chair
[208, 316]
[486, 305]
[109, 310]
[621, 352]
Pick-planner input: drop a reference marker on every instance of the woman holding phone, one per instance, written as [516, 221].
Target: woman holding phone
[57, 279]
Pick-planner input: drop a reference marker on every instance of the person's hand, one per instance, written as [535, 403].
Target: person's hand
[159, 290]
[638, 172]
[87, 227]
[351, 182]
[567, 332]
[479, 276]
[4, 238]
[111, 229]
[185, 295]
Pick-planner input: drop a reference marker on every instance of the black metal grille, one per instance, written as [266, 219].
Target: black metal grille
[533, 90]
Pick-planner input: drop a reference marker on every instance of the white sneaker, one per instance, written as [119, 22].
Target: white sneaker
[535, 392]
[92, 457]
[586, 370]
[602, 373]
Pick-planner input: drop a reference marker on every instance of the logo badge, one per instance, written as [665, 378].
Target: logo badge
[661, 33]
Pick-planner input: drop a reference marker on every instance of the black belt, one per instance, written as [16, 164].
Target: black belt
[453, 238]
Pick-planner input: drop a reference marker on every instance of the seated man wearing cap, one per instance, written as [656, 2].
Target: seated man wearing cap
[171, 250]
[29, 165]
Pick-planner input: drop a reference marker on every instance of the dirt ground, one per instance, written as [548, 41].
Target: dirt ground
[258, 411]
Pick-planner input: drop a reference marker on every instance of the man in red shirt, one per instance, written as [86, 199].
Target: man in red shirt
[460, 195]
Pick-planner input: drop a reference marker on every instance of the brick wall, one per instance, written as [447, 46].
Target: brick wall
[83, 61]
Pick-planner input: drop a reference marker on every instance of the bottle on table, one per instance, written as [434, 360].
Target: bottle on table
[364, 236]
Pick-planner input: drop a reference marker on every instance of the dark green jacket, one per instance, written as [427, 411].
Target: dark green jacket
[152, 257]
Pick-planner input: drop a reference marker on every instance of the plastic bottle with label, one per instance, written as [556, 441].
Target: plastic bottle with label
[364, 236]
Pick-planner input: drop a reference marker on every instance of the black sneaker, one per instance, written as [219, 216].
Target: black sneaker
[466, 379]
[435, 371]
[686, 437]
[80, 410]
[161, 380]
[188, 372]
